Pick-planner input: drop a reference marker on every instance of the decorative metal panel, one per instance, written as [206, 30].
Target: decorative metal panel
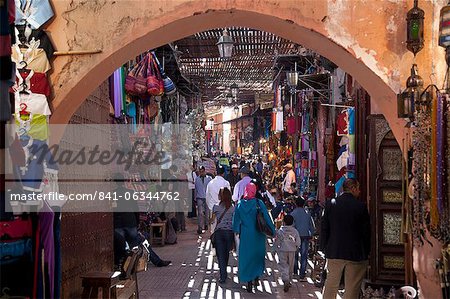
[381, 129]
[392, 223]
[392, 164]
[393, 262]
[390, 196]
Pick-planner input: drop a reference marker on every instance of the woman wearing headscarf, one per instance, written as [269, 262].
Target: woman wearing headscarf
[223, 232]
[252, 247]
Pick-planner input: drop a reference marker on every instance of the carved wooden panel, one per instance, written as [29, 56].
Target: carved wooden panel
[392, 196]
[393, 262]
[392, 223]
[392, 164]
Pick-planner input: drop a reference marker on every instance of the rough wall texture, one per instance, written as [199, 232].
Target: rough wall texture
[86, 238]
[364, 37]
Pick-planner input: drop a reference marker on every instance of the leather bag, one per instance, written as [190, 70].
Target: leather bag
[136, 80]
[261, 223]
[169, 86]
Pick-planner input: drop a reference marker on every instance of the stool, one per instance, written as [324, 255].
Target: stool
[107, 281]
[158, 240]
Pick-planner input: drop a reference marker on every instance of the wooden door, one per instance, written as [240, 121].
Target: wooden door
[388, 259]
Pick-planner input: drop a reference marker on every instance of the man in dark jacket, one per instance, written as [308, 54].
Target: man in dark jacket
[345, 234]
[233, 177]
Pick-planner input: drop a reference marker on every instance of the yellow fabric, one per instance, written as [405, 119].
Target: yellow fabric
[36, 126]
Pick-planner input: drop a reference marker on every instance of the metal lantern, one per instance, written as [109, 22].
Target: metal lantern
[292, 79]
[234, 90]
[414, 26]
[229, 99]
[225, 45]
[407, 100]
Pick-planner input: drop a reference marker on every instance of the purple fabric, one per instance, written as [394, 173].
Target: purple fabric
[46, 216]
[440, 152]
[118, 95]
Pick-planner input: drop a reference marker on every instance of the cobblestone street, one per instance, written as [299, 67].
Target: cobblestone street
[194, 274]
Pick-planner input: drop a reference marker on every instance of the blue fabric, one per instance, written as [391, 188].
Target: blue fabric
[342, 150]
[224, 243]
[39, 12]
[351, 121]
[339, 185]
[303, 222]
[252, 246]
[303, 251]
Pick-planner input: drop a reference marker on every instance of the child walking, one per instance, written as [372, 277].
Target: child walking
[287, 241]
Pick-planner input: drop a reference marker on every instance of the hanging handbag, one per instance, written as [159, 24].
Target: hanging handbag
[169, 86]
[136, 80]
[213, 235]
[155, 84]
[261, 223]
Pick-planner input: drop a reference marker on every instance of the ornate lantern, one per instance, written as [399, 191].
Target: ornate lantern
[225, 45]
[414, 34]
[407, 100]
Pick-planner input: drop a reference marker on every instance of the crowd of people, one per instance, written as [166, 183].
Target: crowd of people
[242, 202]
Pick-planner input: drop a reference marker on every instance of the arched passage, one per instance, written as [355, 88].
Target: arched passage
[319, 26]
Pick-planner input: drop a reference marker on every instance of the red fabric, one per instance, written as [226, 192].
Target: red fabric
[38, 82]
[341, 173]
[250, 191]
[342, 124]
[16, 229]
[5, 45]
[291, 125]
[11, 11]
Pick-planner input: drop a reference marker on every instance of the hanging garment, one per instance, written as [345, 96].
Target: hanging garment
[342, 123]
[47, 252]
[26, 35]
[279, 121]
[33, 103]
[291, 125]
[351, 143]
[342, 160]
[34, 81]
[35, 126]
[5, 104]
[33, 12]
[5, 33]
[35, 58]
[351, 121]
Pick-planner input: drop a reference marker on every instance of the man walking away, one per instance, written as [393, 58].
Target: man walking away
[213, 188]
[286, 244]
[345, 233]
[233, 176]
[201, 182]
[239, 189]
[306, 229]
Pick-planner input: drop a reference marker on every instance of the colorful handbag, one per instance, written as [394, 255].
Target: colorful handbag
[169, 86]
[136, 80]
[155, 84]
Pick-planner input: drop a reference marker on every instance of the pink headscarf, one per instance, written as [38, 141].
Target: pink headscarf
[250, 191]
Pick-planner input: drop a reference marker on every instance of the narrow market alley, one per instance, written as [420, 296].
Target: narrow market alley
[194, 274]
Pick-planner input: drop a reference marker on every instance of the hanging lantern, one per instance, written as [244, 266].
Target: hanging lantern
[444, 31]
[225, 45]
[414, 26]
[292, 79]
[407, 100]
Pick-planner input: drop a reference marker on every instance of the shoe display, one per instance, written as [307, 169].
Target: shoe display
[164, 263]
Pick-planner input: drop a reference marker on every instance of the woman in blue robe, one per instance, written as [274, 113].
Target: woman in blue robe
[252, 245]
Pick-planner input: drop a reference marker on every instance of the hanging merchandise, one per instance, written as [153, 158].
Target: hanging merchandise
[117, 92]
[169, 86]
[136, 80]
[33, 12]
[131, 112]
[32, 57]
[33, 81]
[155, 83]
[25, 35]
[33, 103]
[342, 123]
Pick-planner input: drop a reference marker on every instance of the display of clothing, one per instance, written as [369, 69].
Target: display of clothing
[34, 57]
[33, 81]
[34, 12]
[33, 103]
[26, 34]
[34, 126]
[342, 123]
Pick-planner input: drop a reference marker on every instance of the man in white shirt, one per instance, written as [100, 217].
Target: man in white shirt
[288, 180]
[239, 189]
[191, 176]
[213, 188]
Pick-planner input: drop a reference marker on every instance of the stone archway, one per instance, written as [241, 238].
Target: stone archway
[363, 37]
